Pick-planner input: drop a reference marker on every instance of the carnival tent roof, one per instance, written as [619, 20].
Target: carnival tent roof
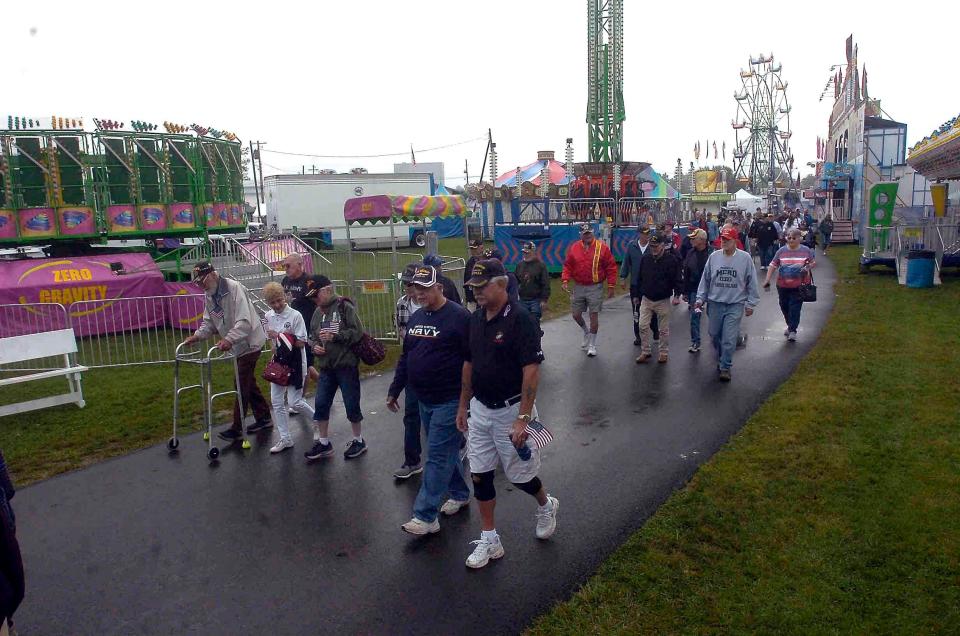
[384, 208]
[654, 186]
[531, 172]
[745, 199]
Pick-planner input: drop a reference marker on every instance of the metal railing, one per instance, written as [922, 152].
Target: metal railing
[879, 242]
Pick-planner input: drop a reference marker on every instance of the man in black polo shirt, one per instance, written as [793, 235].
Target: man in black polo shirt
[499, 381]
[434, 351]
[295, 286]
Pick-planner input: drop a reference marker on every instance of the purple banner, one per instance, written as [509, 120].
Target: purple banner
[87, 287]
[273, 252]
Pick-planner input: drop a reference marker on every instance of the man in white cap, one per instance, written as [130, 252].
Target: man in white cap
[590, 264]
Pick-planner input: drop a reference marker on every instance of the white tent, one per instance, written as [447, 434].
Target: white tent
[746, 201]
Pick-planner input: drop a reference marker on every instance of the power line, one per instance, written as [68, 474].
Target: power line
[376, 156]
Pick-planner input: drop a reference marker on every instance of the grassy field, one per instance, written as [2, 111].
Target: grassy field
[834, 510]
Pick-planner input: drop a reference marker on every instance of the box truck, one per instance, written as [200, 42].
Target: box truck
[313, 205]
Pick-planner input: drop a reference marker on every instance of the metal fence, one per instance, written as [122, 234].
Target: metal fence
[879, 242]
[145, 330]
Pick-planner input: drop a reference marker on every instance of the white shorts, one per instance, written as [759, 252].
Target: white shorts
[488, 441]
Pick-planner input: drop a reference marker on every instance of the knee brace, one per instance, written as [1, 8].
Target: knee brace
[531, 487]
[483, 488]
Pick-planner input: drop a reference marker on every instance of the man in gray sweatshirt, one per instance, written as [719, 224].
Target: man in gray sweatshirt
[729, 283]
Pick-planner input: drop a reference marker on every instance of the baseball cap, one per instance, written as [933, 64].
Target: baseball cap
[315, 283]
[407, 275]
[484, 271]
[475, 243]
[729, 233]
[586, 228]
[656, 239]
[529, 246]
[201, 269]
[644, 229]
[698, 233]
[425, 276]
[493, 253]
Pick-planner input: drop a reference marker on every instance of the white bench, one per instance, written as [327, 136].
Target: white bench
[42, 345]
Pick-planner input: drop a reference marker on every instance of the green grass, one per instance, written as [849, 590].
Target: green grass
[834, 510]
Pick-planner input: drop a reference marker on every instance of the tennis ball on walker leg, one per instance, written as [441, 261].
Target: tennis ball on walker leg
[206, 437]
[246, 444]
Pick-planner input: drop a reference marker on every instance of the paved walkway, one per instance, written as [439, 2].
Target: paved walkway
[158, 544]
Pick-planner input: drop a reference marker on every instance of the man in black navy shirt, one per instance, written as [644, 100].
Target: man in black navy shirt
[434, 350]
[500, 377]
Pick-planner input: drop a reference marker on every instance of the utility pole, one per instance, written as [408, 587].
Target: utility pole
[256, 187]
[466, 173]
[260, 165]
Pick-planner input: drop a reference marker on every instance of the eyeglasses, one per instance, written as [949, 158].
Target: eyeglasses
[287, 265]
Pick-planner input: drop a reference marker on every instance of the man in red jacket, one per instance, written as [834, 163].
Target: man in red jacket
[589, 263]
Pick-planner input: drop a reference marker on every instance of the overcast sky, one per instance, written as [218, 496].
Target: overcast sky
[369, 77]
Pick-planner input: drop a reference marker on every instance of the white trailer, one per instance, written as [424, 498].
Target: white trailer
[313, 205]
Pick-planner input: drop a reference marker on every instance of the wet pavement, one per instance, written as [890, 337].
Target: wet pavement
[157, 544]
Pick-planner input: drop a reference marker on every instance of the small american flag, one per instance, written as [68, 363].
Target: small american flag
[541, 434]
[332, 328]
[217, 313]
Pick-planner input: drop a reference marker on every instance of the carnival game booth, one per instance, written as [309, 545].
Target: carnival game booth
[550, 215]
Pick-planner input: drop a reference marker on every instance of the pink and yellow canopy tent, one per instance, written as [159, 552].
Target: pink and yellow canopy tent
[386, 208]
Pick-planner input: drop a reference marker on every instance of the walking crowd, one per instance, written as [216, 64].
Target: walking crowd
[469, 369]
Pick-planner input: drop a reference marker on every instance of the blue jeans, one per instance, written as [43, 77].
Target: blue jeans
[724, 326]
[533, 306]
[790, 305]
[443, 472]
[767, 253]
[411, 428]
[347, 379]
[694, 319]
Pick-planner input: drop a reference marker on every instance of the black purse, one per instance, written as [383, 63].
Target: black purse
[808, 291]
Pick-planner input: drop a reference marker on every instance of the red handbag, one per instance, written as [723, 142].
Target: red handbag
[277, 373]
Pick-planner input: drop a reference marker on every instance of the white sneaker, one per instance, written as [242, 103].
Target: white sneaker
[786, 332]
[416, 526]
[484, 551]
[592, 351]
[586, 340]
[547, 519]
[452, 506]
[292, 411]
[281, 446]
[792, 336]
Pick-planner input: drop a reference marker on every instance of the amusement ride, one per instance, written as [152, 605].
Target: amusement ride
[762, 161]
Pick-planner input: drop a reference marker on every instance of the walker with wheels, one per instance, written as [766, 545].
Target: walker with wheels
[206, 388]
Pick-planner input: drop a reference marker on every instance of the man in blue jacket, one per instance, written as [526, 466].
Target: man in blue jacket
[434, 350]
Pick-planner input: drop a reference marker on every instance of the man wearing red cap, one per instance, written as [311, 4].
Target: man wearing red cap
[728, 287]
[589, 263]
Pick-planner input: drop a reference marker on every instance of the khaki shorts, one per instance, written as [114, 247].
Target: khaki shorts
[587, 298]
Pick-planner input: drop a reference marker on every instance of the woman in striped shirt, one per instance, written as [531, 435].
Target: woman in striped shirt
[791, 264]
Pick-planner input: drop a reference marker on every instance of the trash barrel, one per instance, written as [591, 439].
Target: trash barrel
[920, 265]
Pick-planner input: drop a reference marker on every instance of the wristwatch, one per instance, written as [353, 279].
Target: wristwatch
[525, 418]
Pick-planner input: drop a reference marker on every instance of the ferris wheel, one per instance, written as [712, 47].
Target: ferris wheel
[762, 160]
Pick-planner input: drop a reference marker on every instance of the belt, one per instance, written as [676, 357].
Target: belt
[501, 404]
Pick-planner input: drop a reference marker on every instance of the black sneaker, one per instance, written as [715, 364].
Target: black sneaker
[355, 449]
[230, 435]
[319, 450]
[260, 425]
[636, 342]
